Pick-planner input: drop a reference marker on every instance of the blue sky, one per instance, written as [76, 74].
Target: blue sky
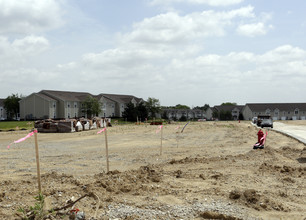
[188, 52]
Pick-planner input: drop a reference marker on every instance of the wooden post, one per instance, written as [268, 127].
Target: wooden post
[37, 161]
[106, 147]
[161, 140]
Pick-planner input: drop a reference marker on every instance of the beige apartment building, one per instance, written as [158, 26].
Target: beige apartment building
[65, 104]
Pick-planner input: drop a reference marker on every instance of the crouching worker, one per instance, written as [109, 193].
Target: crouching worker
[261, 140]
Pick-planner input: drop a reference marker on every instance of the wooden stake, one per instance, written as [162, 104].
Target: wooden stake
[106, 147]
[37, 161]
[161, 140]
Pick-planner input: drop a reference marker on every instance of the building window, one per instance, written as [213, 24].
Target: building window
[288, 113]
[68, 115]
[68, 104]
[75, 105]
[296, 112]
[54, 105]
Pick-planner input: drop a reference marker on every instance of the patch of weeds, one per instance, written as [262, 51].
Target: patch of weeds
[34, 212]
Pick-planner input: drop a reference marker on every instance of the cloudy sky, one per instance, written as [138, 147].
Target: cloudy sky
[189, 52]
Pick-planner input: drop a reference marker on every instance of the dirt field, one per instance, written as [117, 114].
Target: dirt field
[209, 171]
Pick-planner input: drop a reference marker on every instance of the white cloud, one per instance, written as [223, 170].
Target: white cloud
[20, 50]
[171, 28]
[30, 45]
[207, 2]
[252, 30]
[29, 16]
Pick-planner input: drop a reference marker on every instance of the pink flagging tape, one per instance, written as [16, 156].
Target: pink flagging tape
[101, 131]
[22, 139]
[159, 129]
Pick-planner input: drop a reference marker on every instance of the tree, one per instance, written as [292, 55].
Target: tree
[183, 118]
[130, 112]
[153, 106]
[142, 111]
[11, 106]
[91, 107]
[229, 103]
[225, 115]
[179, 106]
[204, 108]
[165, 115]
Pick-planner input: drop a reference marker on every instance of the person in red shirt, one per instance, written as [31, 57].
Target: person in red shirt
[260, 134]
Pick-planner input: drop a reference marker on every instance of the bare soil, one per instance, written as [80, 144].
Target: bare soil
[210, 170]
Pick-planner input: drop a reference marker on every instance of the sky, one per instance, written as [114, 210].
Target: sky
[189, 52]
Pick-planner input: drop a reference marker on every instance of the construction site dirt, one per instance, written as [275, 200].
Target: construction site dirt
[209, 171]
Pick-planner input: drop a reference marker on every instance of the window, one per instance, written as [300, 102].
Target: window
[296, 112]
[75, 104]
[68, 104]
[54, 104]
[68, 115]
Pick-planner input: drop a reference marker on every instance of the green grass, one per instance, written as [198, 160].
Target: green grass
[16, 125]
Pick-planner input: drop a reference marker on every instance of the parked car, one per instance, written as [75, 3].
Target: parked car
[266, 123]
[254, 120]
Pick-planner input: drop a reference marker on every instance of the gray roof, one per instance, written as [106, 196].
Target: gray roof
[260, 107]
[121, 98]
[66, 95]
[45, 97]
[228, 107]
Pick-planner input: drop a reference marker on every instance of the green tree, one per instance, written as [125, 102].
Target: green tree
[130, 112]
[179, 106]
[183, 118]
[153, 106]
[142, 111]
[11, 106]
[165, 115]
[204, 108]
[225, 115]
[91, 107]
[229, 103]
